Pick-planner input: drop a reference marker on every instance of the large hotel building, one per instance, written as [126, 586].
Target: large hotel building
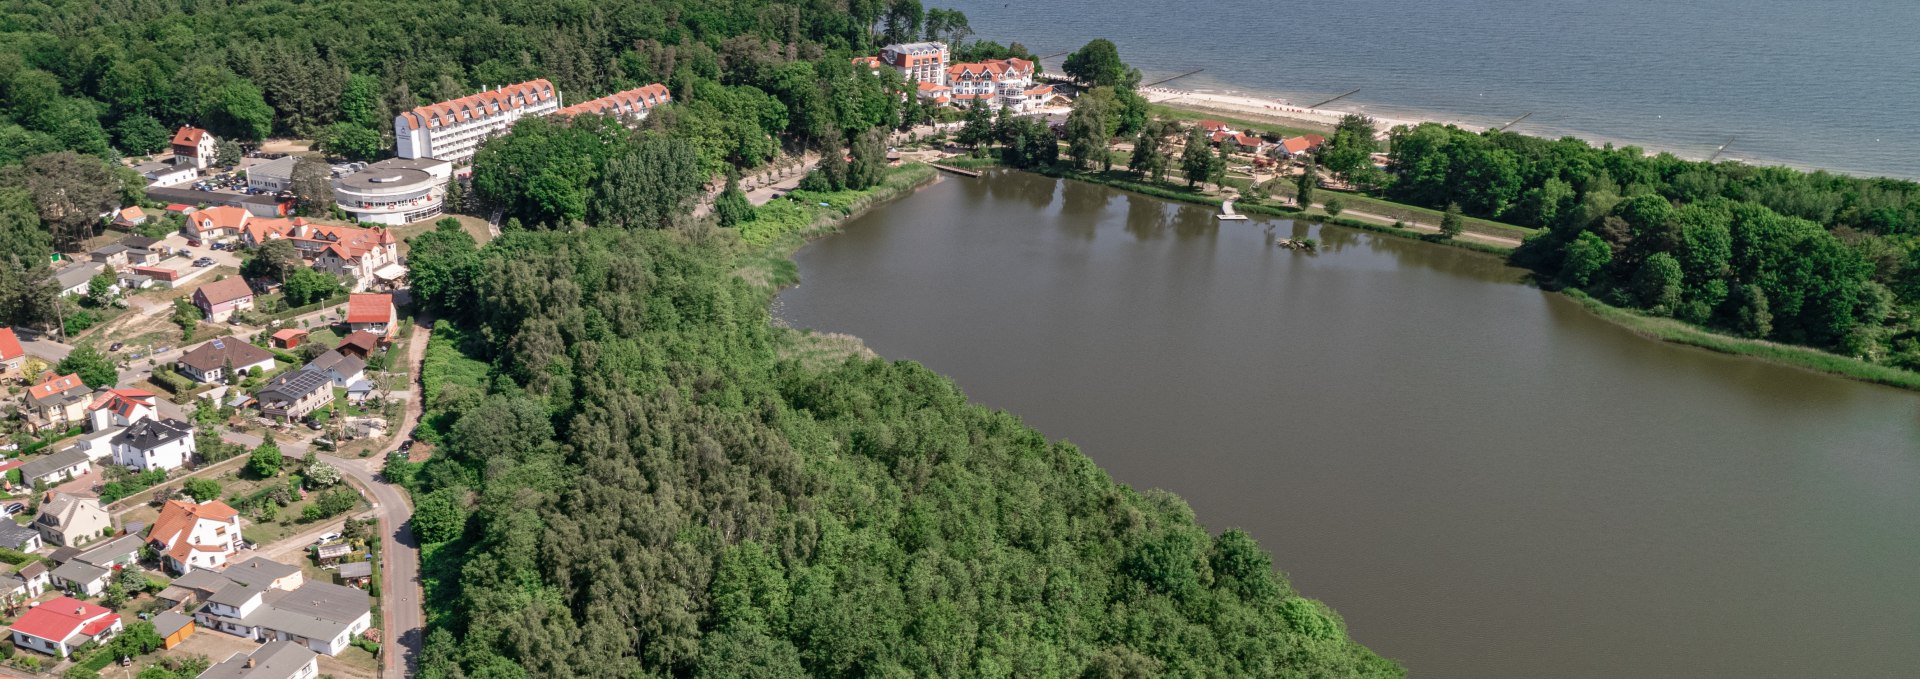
[451, 130]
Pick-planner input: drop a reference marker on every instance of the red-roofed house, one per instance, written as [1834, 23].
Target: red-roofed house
[288, 338]
[57, 401]
[190, 536]
[63, 624]
[12, 355]
[1212, 126]
[361, 344]
[217, 223]
[871, 63]
[120, 407]
[219, 299]
[359, 254]
[196, 145]
[129, 217]
[370, 312]
[1294, 146]
[631, 104]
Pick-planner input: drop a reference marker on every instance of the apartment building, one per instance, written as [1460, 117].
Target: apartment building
[453, 130]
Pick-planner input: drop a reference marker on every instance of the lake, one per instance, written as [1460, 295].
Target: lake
[1812, 84]
[1485, 480]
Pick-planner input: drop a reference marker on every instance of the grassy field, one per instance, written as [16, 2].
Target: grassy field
[1165, 111]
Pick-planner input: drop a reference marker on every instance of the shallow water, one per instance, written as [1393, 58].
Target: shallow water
[1485, 480]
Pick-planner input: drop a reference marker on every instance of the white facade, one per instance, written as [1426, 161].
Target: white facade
[920, 62]
[393, 192]
[453, 130]
[154, 444]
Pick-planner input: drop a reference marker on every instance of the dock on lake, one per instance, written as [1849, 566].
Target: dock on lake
[1226, 212]
[955, 170]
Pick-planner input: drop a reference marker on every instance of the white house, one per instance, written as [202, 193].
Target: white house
[119, 408]
[277, 660]
[154, 444]
[452, 130]
[62, 624]
[195, 146]
[189, 536]
[342, 369]
[260, 605]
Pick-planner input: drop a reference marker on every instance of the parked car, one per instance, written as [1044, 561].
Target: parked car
[330, 537]
[116, 346]
[203, 261]
[406, 445]
[13, 508]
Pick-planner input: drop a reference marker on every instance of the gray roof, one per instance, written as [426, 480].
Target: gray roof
[338, 362]
[118, 549]
[79, 571]
[316, 610]
[203, 580]
[47, 464]
[360, 386]
[335, 550]
[16, 536]
[78, 274]
[290, 386]
[168, 622]
[260, 570]
[110, 249]
[148, 434]
[224, 351]
[279, 168]
[236, 594]
[276, 660]
[421, 164]
[356, 569]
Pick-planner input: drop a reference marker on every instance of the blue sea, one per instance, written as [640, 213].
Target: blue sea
[1817, 85]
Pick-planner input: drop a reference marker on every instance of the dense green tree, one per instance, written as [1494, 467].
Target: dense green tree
[1450, 223]
[266, 460]
[310, 286]
[94, 368]
[186, 316]
[140, 134]
[441, 266]
[647, 185]
[1149, 158]
[868, 164]
[1098, 64]
[203, 489]
[313, 186]
[272, 260]
[69, 192]
[1087, 134]
[978, 129]
[732, 206]
[440, 516]
[352, 141]
[1657, 284]
[1586, 258]
[1197, 161]
[100, 289]
[1306, 183]
[1351, 147]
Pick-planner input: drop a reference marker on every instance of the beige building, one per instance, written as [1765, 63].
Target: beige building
[71, 520]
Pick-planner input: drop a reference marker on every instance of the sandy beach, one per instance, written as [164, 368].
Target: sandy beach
[1278, 111]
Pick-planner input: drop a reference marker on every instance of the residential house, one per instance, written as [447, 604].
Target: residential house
[217, 223]
[182, 209]
[120, 256]
[75, 278]
[219, 299]
[453, 130]
[293, 395]
[173, 629]
[98, 444]
[343, 370]
[164, 174]
[1293, 147]
[221, 358]
[57, 402]
[29, 582]
[19, 538]
[998, 82]
[1212, 126]
[272, 176]
[88, 573]
[12, 355]
[129, 217]
[63, 624]
[119, 407]
[258, 602]
[359, 254]
[1240, 142]
[139, 242]
[71, 520]
[358, 343]
[277, 660]
[288, 338]
[192, 536]
[195, 145]
[56, 468]
[152, 444]
[371, 312]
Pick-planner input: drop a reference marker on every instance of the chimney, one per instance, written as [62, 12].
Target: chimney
[249, 663]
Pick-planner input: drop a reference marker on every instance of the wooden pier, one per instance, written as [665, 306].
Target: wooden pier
[955, 170]
[1227, 214]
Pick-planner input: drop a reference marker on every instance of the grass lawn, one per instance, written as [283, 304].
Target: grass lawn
[1165, 111]
[474, 226]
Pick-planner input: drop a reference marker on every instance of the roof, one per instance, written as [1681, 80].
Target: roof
[998, 68]
[347, 242]
[16, 536]
[1211, 125]
[60, 617]
[280, 168]
[335, 550]
[80, 572]
[48, 464]
[275, 660]
[627, 102]
[55, 385]
[225, 290]
[189, 136]
[32, 570]
[168, 622]
[356, 569]
[360, 339]
[316, 610]
[364, 307]
[179, 207]
[488, 103]
[132, 212]
[177, 520]
[121, 402]
[223, 351]
[77, 275]
[290, 386]
[150, 433]
[869, 62]
[121, 549]
[289, 333]
[10, 345]
[139, 242]
[226, 217]
[237, 594]
[1296, 144]
[259, 569]
[339, 363]
[359, 386]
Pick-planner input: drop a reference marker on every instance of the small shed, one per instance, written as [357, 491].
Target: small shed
[289, 338]
[356, 572]
[331, 554]
[173, 628]
[359, 391]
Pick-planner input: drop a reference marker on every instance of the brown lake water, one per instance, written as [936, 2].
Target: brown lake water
[1485, 480]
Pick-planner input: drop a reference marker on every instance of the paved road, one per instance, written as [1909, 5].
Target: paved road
[41, 347]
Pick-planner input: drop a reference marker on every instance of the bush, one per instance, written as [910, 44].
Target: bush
[201, 489]
[115, 491]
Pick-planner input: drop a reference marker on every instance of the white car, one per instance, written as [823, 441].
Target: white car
[324, 539]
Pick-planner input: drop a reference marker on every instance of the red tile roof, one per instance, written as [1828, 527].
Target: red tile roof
[997, 68]
[225, 217]
[189, 136]
[488, 103]
[225, 290]
[869, 62]
[55, 384]
[10, 345]
[289, 333]
[629, 102]
[122, 402]
[132, 212]
[1212, 125]
[179, 207]
[61, 616]
[365, 341]
[365, 307]
[177, 520]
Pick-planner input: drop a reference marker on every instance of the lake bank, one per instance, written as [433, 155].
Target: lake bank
[1552, 489]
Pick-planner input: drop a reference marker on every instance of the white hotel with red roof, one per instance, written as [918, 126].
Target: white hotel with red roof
[997, 82]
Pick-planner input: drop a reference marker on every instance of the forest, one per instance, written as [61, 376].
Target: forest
[1811, 258]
